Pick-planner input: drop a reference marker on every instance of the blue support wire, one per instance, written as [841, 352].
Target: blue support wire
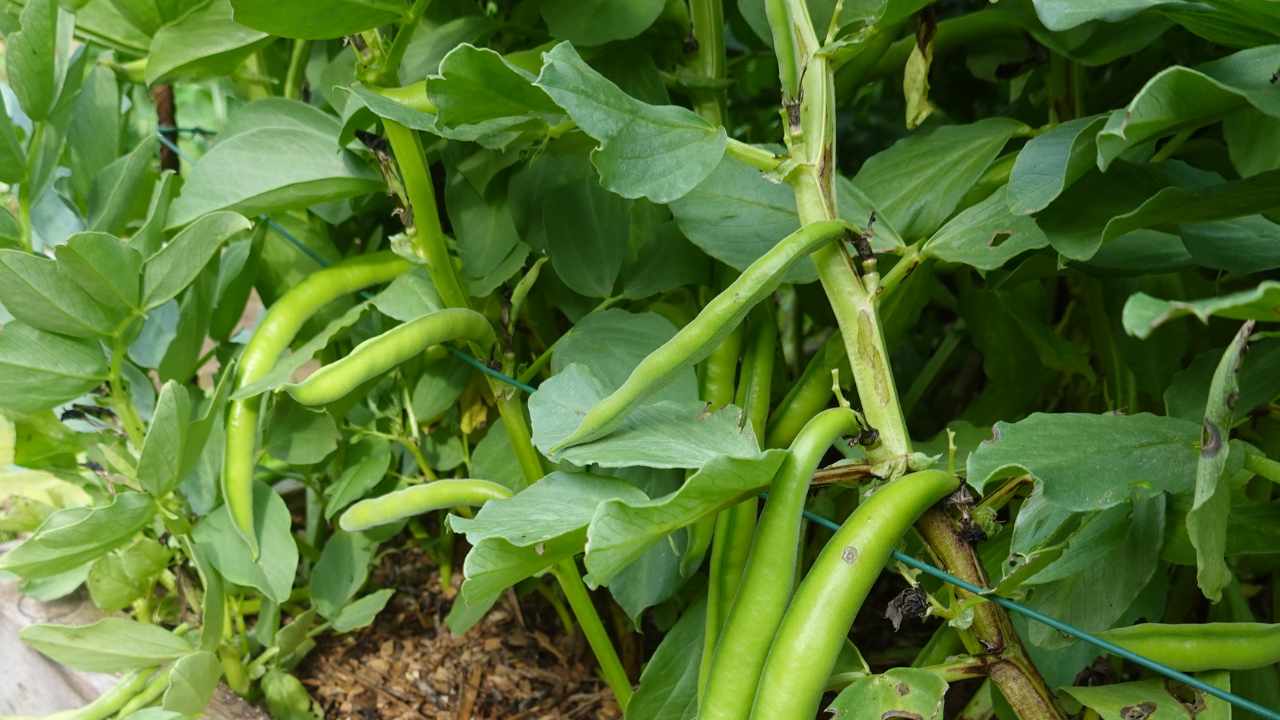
[1227, 696]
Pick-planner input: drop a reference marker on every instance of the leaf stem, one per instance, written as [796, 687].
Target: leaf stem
[391, 61]
[296, 75]
[615, 675]
[120, 401]
[707, 19]
[1262, 466]
[25, 198]
[756, 157]
[428, 235]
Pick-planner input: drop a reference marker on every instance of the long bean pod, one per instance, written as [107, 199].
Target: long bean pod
[275, 332]
[379, 354]
[810, 394]
[1193, 647]
[720, 316]
[437, 495]
[770, 574]
[813, 629]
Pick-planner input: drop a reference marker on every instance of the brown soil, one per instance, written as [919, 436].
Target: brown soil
[516, 664]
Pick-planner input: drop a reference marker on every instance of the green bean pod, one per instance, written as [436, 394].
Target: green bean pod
[770, 575]
[822, 610]
[110, 702]
[437, 495]
[275, 332]
[1193, 647]
[720, 316]
[377, 355]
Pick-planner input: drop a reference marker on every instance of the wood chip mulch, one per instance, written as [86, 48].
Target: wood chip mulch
[516, 664]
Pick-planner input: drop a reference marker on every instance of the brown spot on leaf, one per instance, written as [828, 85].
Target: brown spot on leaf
[903, 689]
[1210, 439]
[1189, 698]
[1141, 711]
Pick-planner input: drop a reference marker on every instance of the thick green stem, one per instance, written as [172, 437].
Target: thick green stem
[428, 235]
[810, 135]
[707, 18]
[430, 242]
[615, 675]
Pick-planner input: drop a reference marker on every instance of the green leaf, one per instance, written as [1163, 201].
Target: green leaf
[119, 192]
[612, 342]
[409, 297]
[494, 565]
[1154, 699]
[1207, 519]
[595, 22]
[75, 536]
[656, 151]
[438, 388]
[556, 505]
[273, 574]
[1258, 377]
[1143, 313]
[920, 180]
[668, 687]
[39, 370]
[103, 266]
[1181, 98]
[291, 168]
[1051, 162]
[366, 465]
[986, 235]
[624, 528]
[340, 572]
[205, 42]
[1253, 141]
[177, 264]
[898, 692]
[1091, 462]
[117, 579]
[316, 19]
[36, 291]
[192, 681]
[1079, 588]
[298, 435]
[36, 56]
[479, 91]
[662, 434]
[161, 463]
[737, 214]
[585, 234]
[362, 612]
[107, 646]
[13, 158]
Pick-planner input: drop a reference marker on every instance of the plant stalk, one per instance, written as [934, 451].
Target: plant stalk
[809, 118]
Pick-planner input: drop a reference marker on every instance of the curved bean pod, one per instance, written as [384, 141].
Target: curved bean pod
[766, 586]
[377, 355]
[814, 627]
[713, 324]
[410, 501]
[277, 330]
[1193, 647]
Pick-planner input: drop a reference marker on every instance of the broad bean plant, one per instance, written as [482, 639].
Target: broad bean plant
[604, 298]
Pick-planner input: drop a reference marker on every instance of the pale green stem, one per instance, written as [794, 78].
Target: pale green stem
[295, 75]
